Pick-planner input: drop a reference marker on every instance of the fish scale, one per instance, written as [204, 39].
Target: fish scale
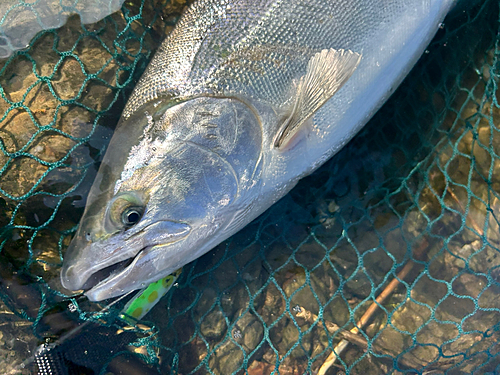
[196, 57]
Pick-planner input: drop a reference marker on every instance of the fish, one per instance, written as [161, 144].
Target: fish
[242, 99]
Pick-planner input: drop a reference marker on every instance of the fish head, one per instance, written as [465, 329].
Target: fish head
[160, 199]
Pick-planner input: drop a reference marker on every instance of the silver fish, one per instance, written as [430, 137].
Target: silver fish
[242, 100]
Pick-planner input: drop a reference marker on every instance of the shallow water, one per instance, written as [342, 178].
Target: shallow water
[415, 190]
[21, 20]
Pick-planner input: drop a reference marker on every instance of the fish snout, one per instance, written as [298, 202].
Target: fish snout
[69, 277]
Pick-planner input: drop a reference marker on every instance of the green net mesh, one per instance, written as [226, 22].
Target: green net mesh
[385, 260]
[21, 20]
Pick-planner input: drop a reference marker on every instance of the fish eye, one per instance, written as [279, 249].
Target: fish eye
[131, 216]
[124, 211]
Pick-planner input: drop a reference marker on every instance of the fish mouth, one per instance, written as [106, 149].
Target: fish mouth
[132, 269]
[121, 277]
[114, 272]
[106, 273]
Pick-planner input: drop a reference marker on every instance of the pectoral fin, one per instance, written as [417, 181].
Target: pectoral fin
[327, 72]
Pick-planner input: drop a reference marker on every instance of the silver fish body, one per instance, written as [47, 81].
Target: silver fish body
[242, 100]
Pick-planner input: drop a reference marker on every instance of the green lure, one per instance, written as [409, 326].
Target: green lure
[140, 305]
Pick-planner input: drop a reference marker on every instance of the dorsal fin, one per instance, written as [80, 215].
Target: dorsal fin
[327, 71]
